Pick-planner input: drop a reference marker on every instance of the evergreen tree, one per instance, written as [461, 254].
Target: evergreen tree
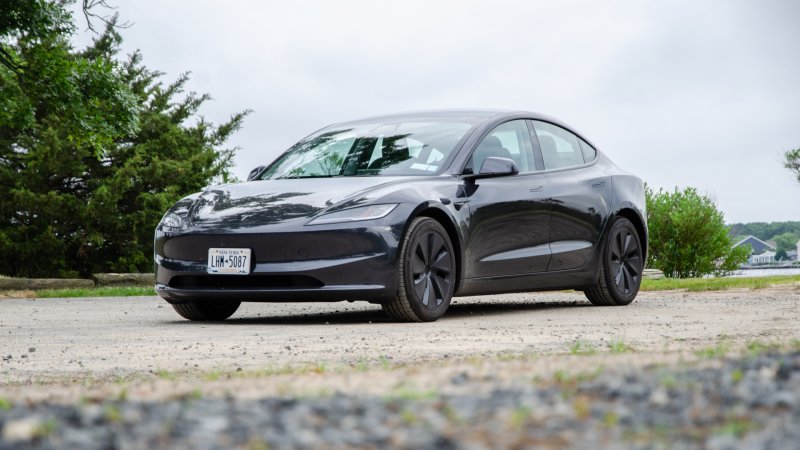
[93, 149]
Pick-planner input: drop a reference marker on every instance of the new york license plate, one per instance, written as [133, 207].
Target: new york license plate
[229, 261]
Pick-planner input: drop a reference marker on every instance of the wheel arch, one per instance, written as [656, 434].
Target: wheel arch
[641, 228]
[441, 215]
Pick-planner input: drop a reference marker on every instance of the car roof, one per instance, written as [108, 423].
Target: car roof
[452, 113]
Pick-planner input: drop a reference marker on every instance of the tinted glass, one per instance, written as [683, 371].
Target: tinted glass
[560, 148]
[509, 140]
[589, 153]
[413, 147]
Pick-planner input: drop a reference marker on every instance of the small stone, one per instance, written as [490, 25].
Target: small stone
[21, 430]
[31, 349]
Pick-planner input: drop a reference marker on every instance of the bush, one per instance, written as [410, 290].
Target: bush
[688, 236]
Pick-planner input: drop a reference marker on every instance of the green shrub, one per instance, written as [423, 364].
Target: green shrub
[688, 236]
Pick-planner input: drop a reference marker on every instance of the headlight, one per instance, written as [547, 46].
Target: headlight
[171, 222]
[370, 212]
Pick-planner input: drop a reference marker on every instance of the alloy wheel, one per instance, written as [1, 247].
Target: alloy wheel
[431, 269]
[626, 260]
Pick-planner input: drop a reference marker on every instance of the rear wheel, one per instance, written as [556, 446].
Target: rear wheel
[426, 273]
[621, 266]
[208, 311]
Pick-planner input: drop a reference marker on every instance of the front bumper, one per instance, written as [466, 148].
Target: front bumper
[355, 263]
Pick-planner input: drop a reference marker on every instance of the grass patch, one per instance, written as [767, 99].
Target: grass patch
[580, 347]
[111, 291]
[716, 284]
[618, 346]
[718, 351]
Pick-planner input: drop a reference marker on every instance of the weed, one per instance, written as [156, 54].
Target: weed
[737, 376]
[581, 406]
[736, 427]
[112, 414]
[409, 417]
[45, 429]
[617, 346]
[166, 375]
[519, 416]
[257, 444]
[610, 419]
[5, 404]
[717, 351]
[580, 347]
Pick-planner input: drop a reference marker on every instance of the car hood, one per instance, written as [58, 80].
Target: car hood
[269, 202]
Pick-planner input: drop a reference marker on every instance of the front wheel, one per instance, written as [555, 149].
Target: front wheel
[206, 311]
[621, 266]
[426, 273]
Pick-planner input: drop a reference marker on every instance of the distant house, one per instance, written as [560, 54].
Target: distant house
[763, 252]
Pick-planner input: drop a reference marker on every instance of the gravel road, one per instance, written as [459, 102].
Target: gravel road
[672, 370]
[117, 336]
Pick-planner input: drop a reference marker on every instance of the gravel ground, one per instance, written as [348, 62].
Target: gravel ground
[750, 402]
[540, 370]
[117, 336]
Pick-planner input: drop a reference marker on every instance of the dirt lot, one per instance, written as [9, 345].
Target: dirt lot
[97, 337]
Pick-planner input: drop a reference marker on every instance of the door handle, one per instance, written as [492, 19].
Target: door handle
[537, 189]
[599, 185]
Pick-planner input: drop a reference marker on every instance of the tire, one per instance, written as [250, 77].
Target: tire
[426, 274]
[208, 311]
[621, 266]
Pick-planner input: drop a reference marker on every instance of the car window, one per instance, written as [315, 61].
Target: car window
[411, 147]
[508, 140]
[560, 148]
[589, 153]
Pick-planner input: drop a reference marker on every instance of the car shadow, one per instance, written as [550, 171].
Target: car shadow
[456, 311]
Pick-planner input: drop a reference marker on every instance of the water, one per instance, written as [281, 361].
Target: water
[766, 272]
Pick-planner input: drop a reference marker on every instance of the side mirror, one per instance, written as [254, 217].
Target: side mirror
[254, 173]
[494, 166]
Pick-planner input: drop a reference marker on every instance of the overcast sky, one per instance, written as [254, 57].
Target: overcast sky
[681, 93]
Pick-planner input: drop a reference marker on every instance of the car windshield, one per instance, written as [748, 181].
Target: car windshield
[406, 147]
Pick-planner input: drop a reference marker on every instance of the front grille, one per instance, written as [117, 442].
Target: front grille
[244, 282]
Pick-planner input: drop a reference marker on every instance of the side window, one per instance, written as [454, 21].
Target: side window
[589, 153]
[508, 140]
[560, 148]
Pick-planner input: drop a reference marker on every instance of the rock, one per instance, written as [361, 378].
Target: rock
[22, 430]
[124, 279]
[652, 274]
[16, 284]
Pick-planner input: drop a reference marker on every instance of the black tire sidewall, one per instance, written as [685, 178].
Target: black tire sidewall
[620, 298]
[423, 227]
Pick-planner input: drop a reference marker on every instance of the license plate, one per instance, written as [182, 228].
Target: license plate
[229, 261]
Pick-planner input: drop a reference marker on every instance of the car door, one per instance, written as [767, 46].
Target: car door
[580, 194]
[509, 222]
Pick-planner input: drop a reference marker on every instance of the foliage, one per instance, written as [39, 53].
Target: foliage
[688, 236]
[766, 231]
[792, 161]
[93, 149]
